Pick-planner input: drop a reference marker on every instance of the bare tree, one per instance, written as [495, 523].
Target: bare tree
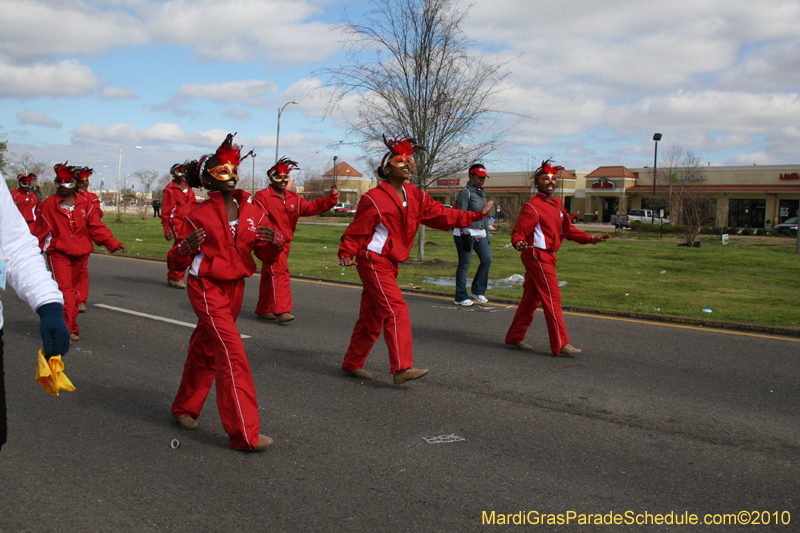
[682, 177]
[146, 178]
[413, 72]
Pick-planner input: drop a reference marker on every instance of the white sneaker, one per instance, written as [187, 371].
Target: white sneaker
[480, 299]
[465, 303]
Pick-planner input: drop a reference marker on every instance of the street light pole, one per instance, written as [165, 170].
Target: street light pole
[119, 171]
[656, 138]
[278, 136]
[254, 173]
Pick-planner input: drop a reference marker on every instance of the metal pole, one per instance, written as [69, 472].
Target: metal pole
[119, 170]
[254, 173]
[278, 136]
[655, 173]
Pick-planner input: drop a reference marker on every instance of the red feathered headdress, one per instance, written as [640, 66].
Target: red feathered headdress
[83, 173]
[547, 168]
[228, 157]
[282, 167]
[64, 173]
[405, 147]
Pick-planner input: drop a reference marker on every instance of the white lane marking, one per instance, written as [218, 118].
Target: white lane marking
[154, 317]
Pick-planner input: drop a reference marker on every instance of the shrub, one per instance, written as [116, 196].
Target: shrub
[636, 225]
[786, 232]
[748, 231]
[762, 231]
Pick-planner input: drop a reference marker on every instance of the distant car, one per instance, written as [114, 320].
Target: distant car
[790, 224]
[340, 208]
[349, 210]
[573, 218]
[448, 206]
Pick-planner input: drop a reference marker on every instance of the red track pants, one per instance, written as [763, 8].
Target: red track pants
[83, 284]
[382, 307]
[177, 229]
[541, 287]
[274, 290]
[216, 351]
[67, 271]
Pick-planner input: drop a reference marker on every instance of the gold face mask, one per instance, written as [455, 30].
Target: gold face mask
[279, 177]
[225, 172]
[400, 161]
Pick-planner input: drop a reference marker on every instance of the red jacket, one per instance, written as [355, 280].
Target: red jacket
[176, 206]
[95, 201]
[220, 257]
[26, 203]
[383, 226]
[55, 234]
[545, 225]
[283, 215]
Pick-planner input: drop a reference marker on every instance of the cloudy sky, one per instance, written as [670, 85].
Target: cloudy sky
[80, 79]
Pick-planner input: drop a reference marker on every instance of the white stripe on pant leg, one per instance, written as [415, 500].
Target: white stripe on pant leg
[227, 355]
[396, 346]
[552, 307]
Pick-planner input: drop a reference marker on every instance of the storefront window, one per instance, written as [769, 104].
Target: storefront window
[745, 213]
[787, 209]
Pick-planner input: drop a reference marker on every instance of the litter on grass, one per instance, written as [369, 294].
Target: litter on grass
[140, 240]
[707, 310]
[562, 283]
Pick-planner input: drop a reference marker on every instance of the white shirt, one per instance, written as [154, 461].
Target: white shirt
[27, 273]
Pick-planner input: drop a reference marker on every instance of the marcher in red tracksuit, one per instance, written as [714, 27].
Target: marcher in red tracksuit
[82, 188]
[66, 228]
[25, 199]
[221, 235]
[179, 199]
[380, 236]
[541, 227]
[283, 207]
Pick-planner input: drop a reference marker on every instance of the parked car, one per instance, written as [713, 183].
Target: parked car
[573, 218]
[349, 210]
[645, 216]
[790, 224]
[340, 208]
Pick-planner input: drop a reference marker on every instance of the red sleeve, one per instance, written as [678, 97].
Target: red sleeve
[41, 229]
[100, 233]
[177, 258]
[437, 216]
[267, 252]
[166, 208]
[315, 207]
[574, 234]
[526, 223]
[362, 227]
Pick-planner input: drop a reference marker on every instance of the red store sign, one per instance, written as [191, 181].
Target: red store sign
[450, 181]
[792, 176]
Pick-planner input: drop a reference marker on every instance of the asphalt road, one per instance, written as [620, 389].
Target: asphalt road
[651, 418]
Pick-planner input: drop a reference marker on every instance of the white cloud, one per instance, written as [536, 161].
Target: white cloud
[250, 92]
[239, 114]
[117, 93]
[734, 113]
[37, 118]
[65, 79]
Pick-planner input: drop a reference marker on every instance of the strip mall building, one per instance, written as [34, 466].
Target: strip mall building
[746, 196]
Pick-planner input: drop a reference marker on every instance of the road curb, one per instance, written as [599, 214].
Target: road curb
[650, 317]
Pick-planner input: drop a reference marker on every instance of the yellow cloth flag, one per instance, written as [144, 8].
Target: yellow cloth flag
[51, 375]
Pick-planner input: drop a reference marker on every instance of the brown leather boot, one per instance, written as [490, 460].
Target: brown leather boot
[408, 374]
[569, 350]
[267, 316]
[285, 317]
[263, 442]
[522, 345]
[186, 422]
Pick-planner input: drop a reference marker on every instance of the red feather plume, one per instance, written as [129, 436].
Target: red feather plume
[283, 166]
[229, 152]
[64, 171]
